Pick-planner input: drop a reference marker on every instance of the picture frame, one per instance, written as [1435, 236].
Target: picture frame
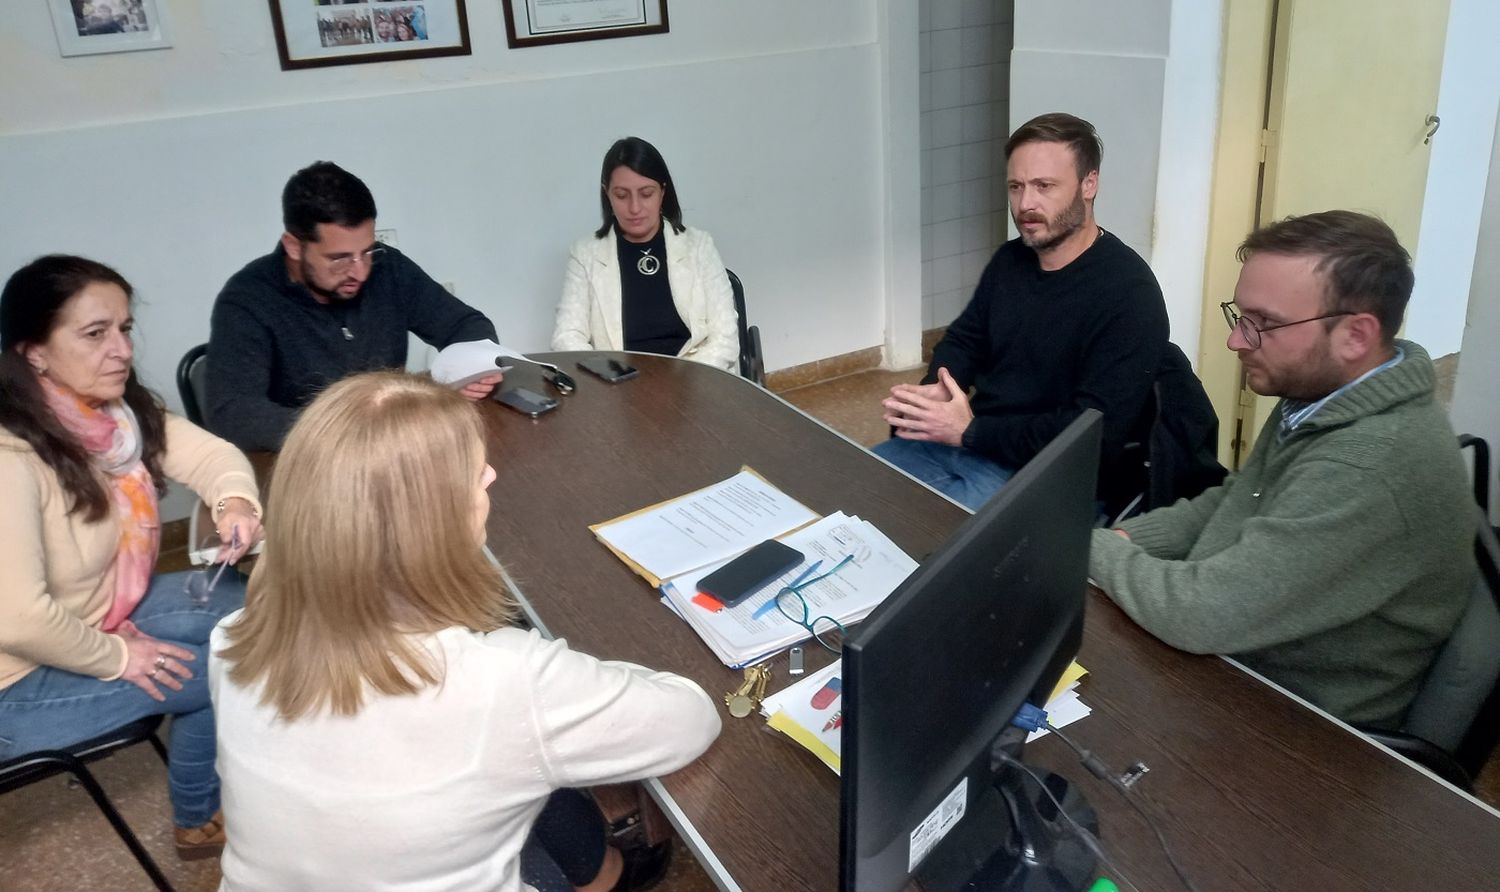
[544, 22]
[90, 27]
[319, 33]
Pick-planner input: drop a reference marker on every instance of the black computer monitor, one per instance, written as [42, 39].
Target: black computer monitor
[933, 677]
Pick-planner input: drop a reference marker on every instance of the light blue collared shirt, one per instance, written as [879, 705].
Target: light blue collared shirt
[1294, 413]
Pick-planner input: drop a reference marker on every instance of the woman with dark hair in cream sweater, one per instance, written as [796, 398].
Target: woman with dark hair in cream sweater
[90, 638]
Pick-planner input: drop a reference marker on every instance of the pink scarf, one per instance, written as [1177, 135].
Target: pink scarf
[112, 437]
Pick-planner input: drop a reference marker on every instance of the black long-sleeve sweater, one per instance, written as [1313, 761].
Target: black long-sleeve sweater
[1039, 347]
[272, 347]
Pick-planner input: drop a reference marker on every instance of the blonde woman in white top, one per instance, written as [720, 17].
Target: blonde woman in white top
[644, 281]
[380, 724]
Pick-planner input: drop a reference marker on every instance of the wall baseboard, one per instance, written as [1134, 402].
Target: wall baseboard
[821, 370]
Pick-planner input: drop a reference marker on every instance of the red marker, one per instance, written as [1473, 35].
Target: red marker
[836, 722]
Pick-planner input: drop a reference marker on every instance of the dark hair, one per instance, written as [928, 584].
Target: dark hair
[643, 158]
[323, 192]
[1078, 134]
[1363, 264]
[29, 308]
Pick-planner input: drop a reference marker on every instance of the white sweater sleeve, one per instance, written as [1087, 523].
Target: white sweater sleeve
[722, 347]
[607, 722]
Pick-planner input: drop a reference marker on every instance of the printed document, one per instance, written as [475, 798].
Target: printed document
[711, 525]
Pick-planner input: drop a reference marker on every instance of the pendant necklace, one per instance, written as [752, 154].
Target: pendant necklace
[647, 265]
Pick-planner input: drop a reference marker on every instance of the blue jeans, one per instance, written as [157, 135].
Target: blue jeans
[961, 474]
[51, 708]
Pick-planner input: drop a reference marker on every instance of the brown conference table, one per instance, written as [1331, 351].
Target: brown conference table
[1253, 788]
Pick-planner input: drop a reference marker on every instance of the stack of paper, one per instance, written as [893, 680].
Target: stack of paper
[676, 543]
[709, 526]
[811, 711]
[755, 628]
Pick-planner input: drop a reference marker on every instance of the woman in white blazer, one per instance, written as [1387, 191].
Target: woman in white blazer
[656, 286]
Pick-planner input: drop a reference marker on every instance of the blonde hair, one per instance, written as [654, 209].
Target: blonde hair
[371, 538]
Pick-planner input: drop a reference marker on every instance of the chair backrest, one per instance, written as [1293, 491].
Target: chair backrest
[1481, 469]
[1458, 706]
[1185, 438]
[192, 383]
[1176, 455]
[752, 363]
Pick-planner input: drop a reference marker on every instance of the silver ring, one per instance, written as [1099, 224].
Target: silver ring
[152, 674]
[161, 661]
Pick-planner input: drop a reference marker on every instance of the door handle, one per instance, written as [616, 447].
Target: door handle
[1433, 122]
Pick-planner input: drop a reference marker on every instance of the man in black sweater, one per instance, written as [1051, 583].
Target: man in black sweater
[328, 302]
[1065, 318]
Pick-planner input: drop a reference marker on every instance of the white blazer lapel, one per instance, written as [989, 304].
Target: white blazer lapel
[607, 292]
[681, 279]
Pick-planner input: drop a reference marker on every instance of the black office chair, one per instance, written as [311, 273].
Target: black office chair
[192, 383]
[1178, 457]
[32, 767]
[1453, 725]
[752, 361]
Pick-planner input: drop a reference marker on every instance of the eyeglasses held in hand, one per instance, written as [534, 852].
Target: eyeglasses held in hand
[791, 603]
[200, 584]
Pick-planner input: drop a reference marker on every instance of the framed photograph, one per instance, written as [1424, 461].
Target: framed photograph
[86, 27]
[540, 22]
[315, 33]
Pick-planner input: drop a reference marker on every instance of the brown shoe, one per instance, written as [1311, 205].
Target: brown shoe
[207, 841]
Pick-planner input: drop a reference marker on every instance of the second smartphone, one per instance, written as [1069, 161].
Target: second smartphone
[527, 402]
[612, 370]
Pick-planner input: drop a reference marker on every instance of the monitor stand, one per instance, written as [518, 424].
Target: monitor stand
[1013, 839]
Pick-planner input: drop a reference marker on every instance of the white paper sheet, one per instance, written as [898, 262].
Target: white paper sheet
[461, 364]
[708, 526]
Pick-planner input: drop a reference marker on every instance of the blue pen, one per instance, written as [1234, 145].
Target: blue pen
[765, 608]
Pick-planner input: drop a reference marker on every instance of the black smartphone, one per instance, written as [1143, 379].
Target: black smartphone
[527, 402]
[612, 370]
[750, 572]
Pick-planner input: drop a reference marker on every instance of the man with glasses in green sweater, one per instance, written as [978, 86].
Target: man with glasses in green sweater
[1337, 561]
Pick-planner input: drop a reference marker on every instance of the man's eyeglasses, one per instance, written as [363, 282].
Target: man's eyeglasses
[346, 262]
[825, 630]
[1252, 332]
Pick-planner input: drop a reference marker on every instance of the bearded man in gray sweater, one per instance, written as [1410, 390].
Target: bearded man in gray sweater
[1337, 561]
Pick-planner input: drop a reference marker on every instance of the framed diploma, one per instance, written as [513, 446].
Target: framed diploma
[315, 33]
[540, 22]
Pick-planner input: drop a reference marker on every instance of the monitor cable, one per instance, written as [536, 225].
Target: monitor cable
[1123, 784]
[1089, 839]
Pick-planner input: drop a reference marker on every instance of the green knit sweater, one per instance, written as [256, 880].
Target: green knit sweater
[1336, 562]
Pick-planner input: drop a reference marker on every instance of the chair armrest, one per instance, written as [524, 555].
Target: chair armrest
[1426, 754]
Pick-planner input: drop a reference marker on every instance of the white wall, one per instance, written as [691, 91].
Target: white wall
[1146, 74]
[168, 164]
[1475, 408]
[224, 58]
[965, 62]
[1185, 169]
[1467, 99]
[1105, 62]
[900, 81]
